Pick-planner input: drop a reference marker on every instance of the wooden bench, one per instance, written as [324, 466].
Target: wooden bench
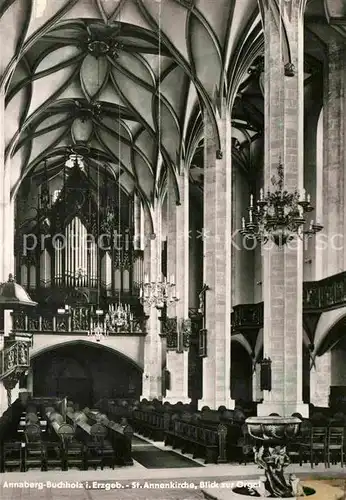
[201, 442]
[10, 446]
[149, 424]
[34, 452]
[93, 438]
[12, 456]
[66, 450]
[118, 435]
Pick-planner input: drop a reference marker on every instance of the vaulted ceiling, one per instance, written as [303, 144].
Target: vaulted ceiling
[125, 83]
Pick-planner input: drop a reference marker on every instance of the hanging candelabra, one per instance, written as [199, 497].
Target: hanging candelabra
[158, 294]
[279, 215]
[97, 328]
[119, 317]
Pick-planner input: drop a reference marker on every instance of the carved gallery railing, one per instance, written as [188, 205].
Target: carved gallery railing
[78, 321]
[247, 316]
[318, 296]
[329, 293]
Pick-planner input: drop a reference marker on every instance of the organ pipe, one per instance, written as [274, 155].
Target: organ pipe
[32, 277]
[24, 275]
[108, 273]
[45, 270]
[137, 222]
[126, 280]
[67, 255]
[77, 263]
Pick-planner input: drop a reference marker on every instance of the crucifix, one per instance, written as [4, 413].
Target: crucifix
[203, 332]
[201, 305]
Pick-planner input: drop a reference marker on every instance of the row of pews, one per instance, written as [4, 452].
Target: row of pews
[216, 436]
[45, 435]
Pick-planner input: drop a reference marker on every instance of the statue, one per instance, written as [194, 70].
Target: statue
[271, 435]
[273, 460]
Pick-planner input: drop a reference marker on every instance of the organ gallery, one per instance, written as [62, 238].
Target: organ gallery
[171, 227]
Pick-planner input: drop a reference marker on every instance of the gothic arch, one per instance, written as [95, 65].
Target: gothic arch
[35, 353]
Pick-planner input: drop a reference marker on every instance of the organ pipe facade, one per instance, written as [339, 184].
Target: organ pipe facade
[84, 243]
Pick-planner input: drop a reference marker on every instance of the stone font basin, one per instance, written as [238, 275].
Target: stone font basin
[273, 429]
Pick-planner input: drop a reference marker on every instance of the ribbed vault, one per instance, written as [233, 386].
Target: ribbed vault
[125, 83]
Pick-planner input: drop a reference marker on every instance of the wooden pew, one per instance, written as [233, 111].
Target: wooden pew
[150, 423]
[11, 451]
[153, 420]
[92, 436]
[202, 442]
[34, 451]
[210, 434]
[116, 409]
[118, 435]
[69, 452]
[31, 417]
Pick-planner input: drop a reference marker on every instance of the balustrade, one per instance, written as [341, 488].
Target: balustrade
[325, 294]
[318, 296]
[79, 320]
[246, 316]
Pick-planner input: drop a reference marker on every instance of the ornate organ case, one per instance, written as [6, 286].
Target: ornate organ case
[82, 238]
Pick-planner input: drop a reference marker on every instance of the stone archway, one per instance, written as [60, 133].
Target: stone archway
[85, 373]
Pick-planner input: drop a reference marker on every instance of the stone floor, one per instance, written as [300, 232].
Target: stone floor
[138, 482]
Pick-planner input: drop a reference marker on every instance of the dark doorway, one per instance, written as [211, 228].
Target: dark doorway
[85, 374]
[75, 389]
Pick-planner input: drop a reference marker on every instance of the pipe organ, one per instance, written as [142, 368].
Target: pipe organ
[79, 255]
[85, 244]
[74, 259]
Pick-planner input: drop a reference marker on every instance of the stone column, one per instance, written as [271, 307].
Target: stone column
[217, 235]
[334, 158]
[338, 374]
[3, 399]
[15, 392]
[313, 170]
[30, 382]
[6, 208]
[320, 380]
[178, 265]
[6, 237]
[257, 394]
[334, 190]
[283, 266]
[152, 373]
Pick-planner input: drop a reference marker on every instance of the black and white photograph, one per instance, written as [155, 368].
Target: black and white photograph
[172, 249]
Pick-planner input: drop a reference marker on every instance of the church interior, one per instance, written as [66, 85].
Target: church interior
[172, 199]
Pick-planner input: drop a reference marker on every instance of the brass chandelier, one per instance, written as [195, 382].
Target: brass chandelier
[279, 215]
